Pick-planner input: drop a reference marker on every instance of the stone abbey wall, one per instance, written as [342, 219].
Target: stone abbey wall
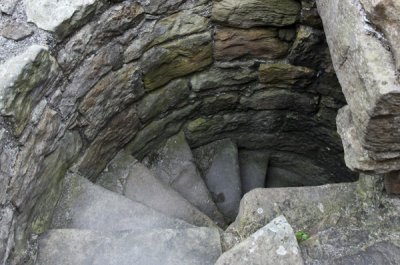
[88, 78]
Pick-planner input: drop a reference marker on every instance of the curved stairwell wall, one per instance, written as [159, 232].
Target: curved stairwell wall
[108, 75]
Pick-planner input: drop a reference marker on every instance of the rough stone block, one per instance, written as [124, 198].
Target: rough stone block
[25, 80]
[176, 59]
[169, 28]
[274, 244]
[61, 17]
[250, 13]
[259, 43]
[369, 78]
[285, 75]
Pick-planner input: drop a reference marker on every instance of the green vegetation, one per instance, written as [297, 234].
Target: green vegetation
[302, 236]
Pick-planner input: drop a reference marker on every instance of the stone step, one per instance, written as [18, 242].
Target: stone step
[196, 246]
[253, 169]
[132, 179]
[306, 208]
[84, 205]
[220, 166]
[274, 244]
[174, 165]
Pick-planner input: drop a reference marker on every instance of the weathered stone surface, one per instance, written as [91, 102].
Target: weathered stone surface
[306, 208]
[273, 244]
[40, 143]
[84, 205]
[379, 253]
[285, 75]
[176, 59]
[132, 179]
[281, 100]
[88, 74]
[356, 156]
[61, 17]
[49, 184]
[220, 166]
[221, 102]
[109, 96]
[170, 6]
[250, 13]
[259, 43]
[163, 99]
[118, 132]
[25, 80]
[174, 165]
[310, 49]
[310, 17]
[110, 25]
[206, 129]
[365, 233]
[367, 73]
[149, 137]
[156, 32]
[216, 77]
[197, 246]
[385, 15]
[15, 31]
[8, 6]
[6, 232]
[253, 169]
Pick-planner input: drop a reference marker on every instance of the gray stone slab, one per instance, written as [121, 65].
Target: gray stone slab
[220, 167]
[173, 164]
[366, 68]
[199, 246]
[133, 180]
[274, 244]
[84, 205]
[306, 208]
[61, 17]
[253, 169]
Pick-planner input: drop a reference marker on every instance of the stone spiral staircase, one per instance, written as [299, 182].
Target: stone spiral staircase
[172, 207]
[162, 211]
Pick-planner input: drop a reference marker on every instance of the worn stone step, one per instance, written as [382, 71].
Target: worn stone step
[306, 208]
[274, 244]
[84, 205]
[134, 180]
[196, 246]
[253, 169]
[220, 167]
[174, 165]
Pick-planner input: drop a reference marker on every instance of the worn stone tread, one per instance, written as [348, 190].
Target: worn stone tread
[197, 246]
[174, 165]
[133, 180]
[84, 205]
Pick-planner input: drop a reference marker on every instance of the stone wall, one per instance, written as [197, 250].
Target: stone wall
[99, 76]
